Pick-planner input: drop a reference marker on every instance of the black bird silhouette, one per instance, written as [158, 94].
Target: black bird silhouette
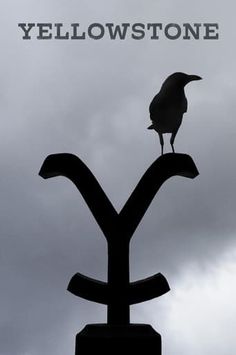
[169, 105]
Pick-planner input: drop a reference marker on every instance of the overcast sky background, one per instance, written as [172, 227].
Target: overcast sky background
[91, 98]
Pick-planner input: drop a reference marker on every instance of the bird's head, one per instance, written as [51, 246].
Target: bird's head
[180, 79]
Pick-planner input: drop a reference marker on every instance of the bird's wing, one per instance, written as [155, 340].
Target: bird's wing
[162, 102]
[159, 102]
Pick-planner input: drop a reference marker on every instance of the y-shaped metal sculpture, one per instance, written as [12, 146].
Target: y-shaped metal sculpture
[118, 293]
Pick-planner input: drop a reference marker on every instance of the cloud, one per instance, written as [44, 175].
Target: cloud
[199, 312]
[202, 311]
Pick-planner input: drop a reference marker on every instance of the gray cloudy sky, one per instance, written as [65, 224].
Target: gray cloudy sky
[91, 98]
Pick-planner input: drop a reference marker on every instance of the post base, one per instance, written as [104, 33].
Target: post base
[104, 339]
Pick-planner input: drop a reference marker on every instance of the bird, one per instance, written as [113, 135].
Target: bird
[169, 105]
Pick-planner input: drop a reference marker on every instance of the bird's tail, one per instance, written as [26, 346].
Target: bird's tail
[151, 127]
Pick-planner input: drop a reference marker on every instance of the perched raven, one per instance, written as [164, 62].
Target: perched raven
[169, 105]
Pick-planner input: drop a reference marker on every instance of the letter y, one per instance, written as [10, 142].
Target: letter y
[26, 30]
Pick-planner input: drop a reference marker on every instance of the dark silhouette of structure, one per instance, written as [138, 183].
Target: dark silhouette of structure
[118, 293]
[169, 105]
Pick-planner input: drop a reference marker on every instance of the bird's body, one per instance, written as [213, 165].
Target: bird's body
[169, 105]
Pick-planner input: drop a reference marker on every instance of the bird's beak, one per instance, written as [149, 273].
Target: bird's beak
[194, 77]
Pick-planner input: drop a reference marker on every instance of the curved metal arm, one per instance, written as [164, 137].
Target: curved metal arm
[147, 289]
[100, 292]
[163, 168]
[73, 168]
[89, 289]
